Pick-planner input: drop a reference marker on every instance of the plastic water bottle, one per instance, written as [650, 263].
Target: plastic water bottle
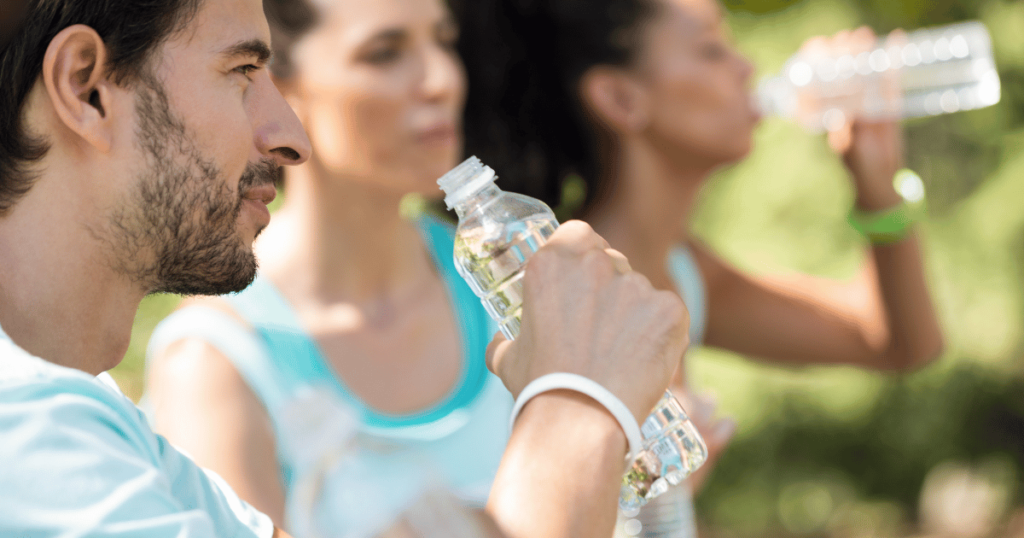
[668, 516]
[498, 232]
[924, 73]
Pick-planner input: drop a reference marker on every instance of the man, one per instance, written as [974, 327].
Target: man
[138, 146]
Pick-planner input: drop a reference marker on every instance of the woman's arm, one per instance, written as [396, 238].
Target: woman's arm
[203, 406]
[883, 319]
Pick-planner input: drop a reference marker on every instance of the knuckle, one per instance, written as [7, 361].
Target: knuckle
[575, 227]
[545, 265]
[672, 306]
[542, 259]
[597, 259]
[638, 282]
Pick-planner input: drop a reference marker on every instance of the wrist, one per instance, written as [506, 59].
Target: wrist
[877, 198]
[594, 392]
[573, 415]
[887, 216]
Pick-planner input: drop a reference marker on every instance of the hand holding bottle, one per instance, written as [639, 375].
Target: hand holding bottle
[905, 75]
[596, 326]
[871, 149]
[586, 312]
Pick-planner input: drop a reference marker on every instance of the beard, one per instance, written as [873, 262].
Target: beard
[178, 231]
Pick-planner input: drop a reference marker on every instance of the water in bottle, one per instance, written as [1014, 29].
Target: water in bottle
[498, 232]
[923, 73]
[669, 516]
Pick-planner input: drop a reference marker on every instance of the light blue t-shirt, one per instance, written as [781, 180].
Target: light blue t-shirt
[77, 459]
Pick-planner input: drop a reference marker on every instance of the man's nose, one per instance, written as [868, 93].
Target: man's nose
[279, 133]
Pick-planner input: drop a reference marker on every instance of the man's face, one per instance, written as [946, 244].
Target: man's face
[211, 131]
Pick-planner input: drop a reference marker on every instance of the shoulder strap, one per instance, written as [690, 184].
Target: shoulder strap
[247, 352]
[690, 283]
[233, 339]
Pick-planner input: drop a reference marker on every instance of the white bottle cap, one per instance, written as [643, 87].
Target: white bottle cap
[465, 180]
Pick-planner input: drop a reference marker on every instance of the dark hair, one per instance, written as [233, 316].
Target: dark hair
[131, 29]
[524, 60]
[12, 12]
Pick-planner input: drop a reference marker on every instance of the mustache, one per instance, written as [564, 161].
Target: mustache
[258, 174]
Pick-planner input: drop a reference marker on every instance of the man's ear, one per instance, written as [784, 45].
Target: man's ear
[615, 99]
[74, 73]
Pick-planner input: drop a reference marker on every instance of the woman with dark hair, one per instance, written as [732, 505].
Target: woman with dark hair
[643, 100]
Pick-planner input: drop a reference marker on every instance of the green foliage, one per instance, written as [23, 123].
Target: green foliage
[838, 451]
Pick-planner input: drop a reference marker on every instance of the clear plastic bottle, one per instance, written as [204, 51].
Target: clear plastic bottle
[498, 232]
[924, 73]
[668, 516]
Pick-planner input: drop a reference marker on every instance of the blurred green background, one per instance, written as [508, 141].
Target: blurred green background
[837, 451]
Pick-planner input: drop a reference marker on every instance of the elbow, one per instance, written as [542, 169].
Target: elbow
[915, 357]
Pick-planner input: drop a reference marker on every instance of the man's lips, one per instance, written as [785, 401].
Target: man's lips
[263, 193]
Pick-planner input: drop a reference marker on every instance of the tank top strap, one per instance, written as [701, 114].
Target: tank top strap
[690, 283]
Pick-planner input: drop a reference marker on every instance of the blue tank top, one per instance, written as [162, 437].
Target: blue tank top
[348, 469]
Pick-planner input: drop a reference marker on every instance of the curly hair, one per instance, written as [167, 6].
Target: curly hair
[524, 61]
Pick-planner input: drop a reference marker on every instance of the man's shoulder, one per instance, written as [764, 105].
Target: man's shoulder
[80, 456]
[39, 387]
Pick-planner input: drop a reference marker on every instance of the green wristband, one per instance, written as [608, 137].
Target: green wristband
[892, 225]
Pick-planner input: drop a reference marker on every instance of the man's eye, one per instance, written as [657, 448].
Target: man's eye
[247, 70]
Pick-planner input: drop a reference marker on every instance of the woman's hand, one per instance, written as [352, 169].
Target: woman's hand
[871, 150]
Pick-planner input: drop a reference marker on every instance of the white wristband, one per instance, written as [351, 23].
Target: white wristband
[578, 383]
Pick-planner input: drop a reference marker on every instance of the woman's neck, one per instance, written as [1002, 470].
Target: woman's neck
[337, 240]
[647, 209]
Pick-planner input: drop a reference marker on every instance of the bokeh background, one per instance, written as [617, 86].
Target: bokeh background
[838, 451]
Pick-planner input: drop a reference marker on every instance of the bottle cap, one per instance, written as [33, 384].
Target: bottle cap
[465, 180]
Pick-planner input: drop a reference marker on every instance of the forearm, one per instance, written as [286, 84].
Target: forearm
[561, 471]
[915, 337]
[914, 333]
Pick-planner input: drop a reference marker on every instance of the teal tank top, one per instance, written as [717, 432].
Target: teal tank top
[348, 469]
